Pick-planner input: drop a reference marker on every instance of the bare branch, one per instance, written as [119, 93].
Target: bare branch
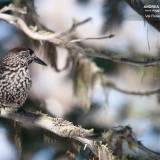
[136, 93]
[92, 52]
[19, 23]
[39, 35]
[147, 62]
[107, 83]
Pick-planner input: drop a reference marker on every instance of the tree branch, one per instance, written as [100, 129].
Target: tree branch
[59, 39]
[147, 62]
[135, 93]
[102, 147]
[94, 38]
[59, 127]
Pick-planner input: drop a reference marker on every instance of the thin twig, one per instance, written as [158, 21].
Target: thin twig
[74, 26]
[92, 38]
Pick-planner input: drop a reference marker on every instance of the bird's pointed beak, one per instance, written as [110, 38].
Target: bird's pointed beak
[39, 61]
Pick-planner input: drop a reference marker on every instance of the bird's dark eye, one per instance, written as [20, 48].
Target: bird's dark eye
[31, 52]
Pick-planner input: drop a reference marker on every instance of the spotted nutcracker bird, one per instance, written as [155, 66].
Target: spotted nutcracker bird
[15, 78]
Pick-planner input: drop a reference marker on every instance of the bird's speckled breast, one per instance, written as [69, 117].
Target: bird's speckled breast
[15, 86]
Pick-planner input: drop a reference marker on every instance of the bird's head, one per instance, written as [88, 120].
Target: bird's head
[22, 56]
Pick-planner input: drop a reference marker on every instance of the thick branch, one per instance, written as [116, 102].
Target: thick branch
[101, 147]
[56, 125]
[60, 127]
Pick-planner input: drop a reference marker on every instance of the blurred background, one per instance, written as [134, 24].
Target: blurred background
[54, 91]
